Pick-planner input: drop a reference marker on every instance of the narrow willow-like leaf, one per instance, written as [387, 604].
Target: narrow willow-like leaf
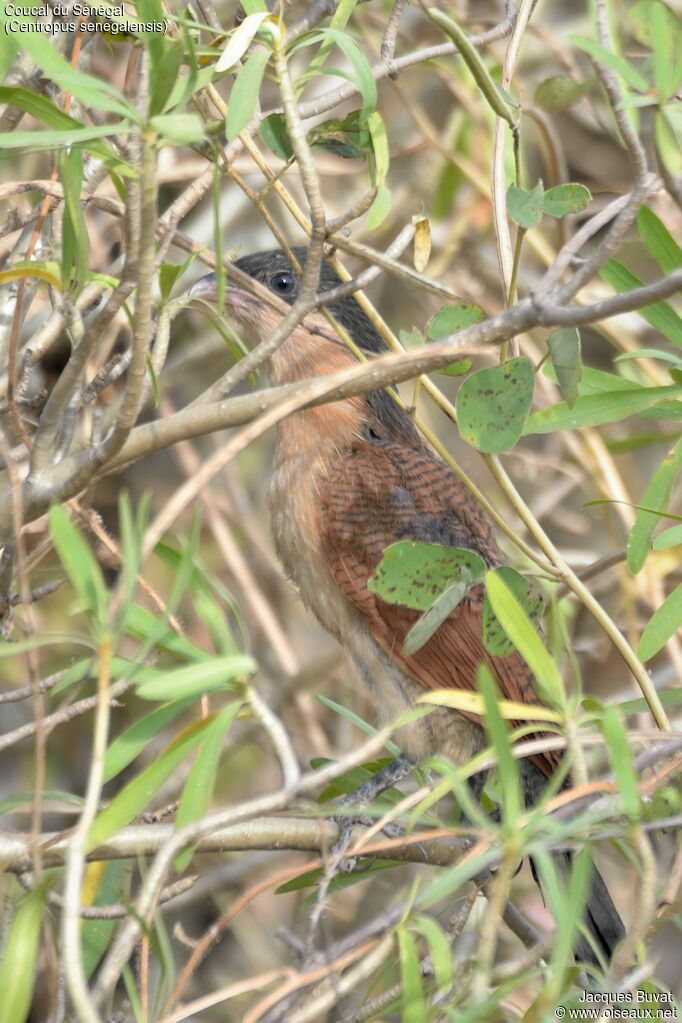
[132, 799]
[664, 623]
[79, 562]
[521, 630]
[564, 351]
[597, 409]
[198, 789]
[412, 1001]
[498, 734]
[196, 679]
[244, 95]
[621, 760]
[656, 496]
[658, 240]
[20, 956]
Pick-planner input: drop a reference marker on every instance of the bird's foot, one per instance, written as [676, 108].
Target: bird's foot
[386, 778]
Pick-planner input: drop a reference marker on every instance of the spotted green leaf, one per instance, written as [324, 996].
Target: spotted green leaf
[564, 199]
[493, 405]
[453, 317]
[564, 351]
[414, 574]
[524, 207]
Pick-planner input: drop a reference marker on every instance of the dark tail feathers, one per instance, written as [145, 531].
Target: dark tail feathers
[601, 920]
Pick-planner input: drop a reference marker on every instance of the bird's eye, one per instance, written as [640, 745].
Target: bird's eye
[283, 283]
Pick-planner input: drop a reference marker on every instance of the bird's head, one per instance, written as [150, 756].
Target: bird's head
[274, 271]
[314, 348]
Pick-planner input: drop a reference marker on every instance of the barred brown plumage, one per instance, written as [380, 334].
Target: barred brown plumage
[351, 478]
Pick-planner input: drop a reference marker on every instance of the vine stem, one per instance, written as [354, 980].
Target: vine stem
[581, 591]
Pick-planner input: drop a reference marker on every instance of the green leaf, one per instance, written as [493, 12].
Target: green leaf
[451, 318]
[525, 208]
[665, 65]
[75, 241]
[559, 93]
[363, 72]
[657, 497]
[412, 1001]
[36, 140]
[597, 409]
[621, 67]
[240, 40]
[493, 405]
[413, 574]
[377, 131]
[18, 969]
[275, 135]
[196, 679]
[658, 240]
[180, 129]
[127, 746]
[413, 338]
[26, 798]
[244, 95]
[198, 790]
[168, 275]
[621, 760]
[664, 623]
[165, 75]
[79, 563]
[650, 353]
[564, 199]
[668, 538]
[655, 25]
[498, 734]
[495, 639]
[519, 627]
[660, 315]
[96, 934]
[42, 109]
[457, 368]
[379, 209]
[439, 948]
[92, 91]
[348, 137]
[132, 799]
[564, 351]
[425, 626]
[667, 142]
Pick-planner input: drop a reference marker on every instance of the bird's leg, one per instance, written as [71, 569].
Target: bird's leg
[375, 786]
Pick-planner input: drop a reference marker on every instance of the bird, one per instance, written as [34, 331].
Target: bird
[350, 478]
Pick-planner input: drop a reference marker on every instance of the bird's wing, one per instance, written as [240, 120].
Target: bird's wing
[383, 493]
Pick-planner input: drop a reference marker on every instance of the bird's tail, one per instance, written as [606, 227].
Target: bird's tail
[602, 921]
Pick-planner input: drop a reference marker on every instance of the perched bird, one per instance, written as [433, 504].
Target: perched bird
[350, 478]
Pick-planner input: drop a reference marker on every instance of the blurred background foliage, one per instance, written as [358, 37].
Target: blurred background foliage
[157, 588]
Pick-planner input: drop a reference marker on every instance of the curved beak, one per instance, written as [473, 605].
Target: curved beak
[206, 288]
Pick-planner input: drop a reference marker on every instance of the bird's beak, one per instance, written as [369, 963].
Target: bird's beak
[206, 288]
